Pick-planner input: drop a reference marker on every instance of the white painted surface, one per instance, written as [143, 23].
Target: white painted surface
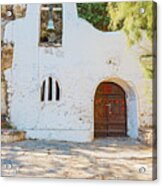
[79, 66]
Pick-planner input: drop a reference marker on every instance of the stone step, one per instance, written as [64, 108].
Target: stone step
[9, 136]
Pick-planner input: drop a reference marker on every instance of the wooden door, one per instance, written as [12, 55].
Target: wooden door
[109, 111]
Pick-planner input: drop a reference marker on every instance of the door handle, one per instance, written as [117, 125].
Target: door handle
[110, 108]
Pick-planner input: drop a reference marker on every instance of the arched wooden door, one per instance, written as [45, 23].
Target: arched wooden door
[110, 111]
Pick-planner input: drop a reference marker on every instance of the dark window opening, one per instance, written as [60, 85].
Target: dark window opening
[50, 89]
[57, 92]
[43, 91]
[51, 25]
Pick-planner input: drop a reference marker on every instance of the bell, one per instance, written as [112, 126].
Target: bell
[50, 25]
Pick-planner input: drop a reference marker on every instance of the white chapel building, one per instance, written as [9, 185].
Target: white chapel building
[89, 86]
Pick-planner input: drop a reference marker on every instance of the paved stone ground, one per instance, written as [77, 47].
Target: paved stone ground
[119, 158]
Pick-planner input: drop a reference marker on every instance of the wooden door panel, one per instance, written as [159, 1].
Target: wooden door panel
[110, 111]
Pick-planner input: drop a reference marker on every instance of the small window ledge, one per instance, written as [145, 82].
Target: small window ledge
[55, 45]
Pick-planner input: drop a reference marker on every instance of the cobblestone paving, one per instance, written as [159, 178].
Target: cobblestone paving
[119, 158]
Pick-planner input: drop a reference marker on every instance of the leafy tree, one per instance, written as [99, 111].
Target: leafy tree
[134, 18]
[95, 13]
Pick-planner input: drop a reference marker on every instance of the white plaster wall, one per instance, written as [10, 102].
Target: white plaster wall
[79, 66]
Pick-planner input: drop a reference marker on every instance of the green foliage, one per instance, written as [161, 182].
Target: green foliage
[95, 13]
[127, 16]
[146, 62]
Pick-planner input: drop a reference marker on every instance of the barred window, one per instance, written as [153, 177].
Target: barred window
[50, 90]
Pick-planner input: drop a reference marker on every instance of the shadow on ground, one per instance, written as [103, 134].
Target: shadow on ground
[110, 158]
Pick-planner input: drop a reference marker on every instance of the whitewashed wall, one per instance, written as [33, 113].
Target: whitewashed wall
[79, 66]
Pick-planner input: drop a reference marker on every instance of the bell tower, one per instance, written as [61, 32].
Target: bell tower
[69, 22]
